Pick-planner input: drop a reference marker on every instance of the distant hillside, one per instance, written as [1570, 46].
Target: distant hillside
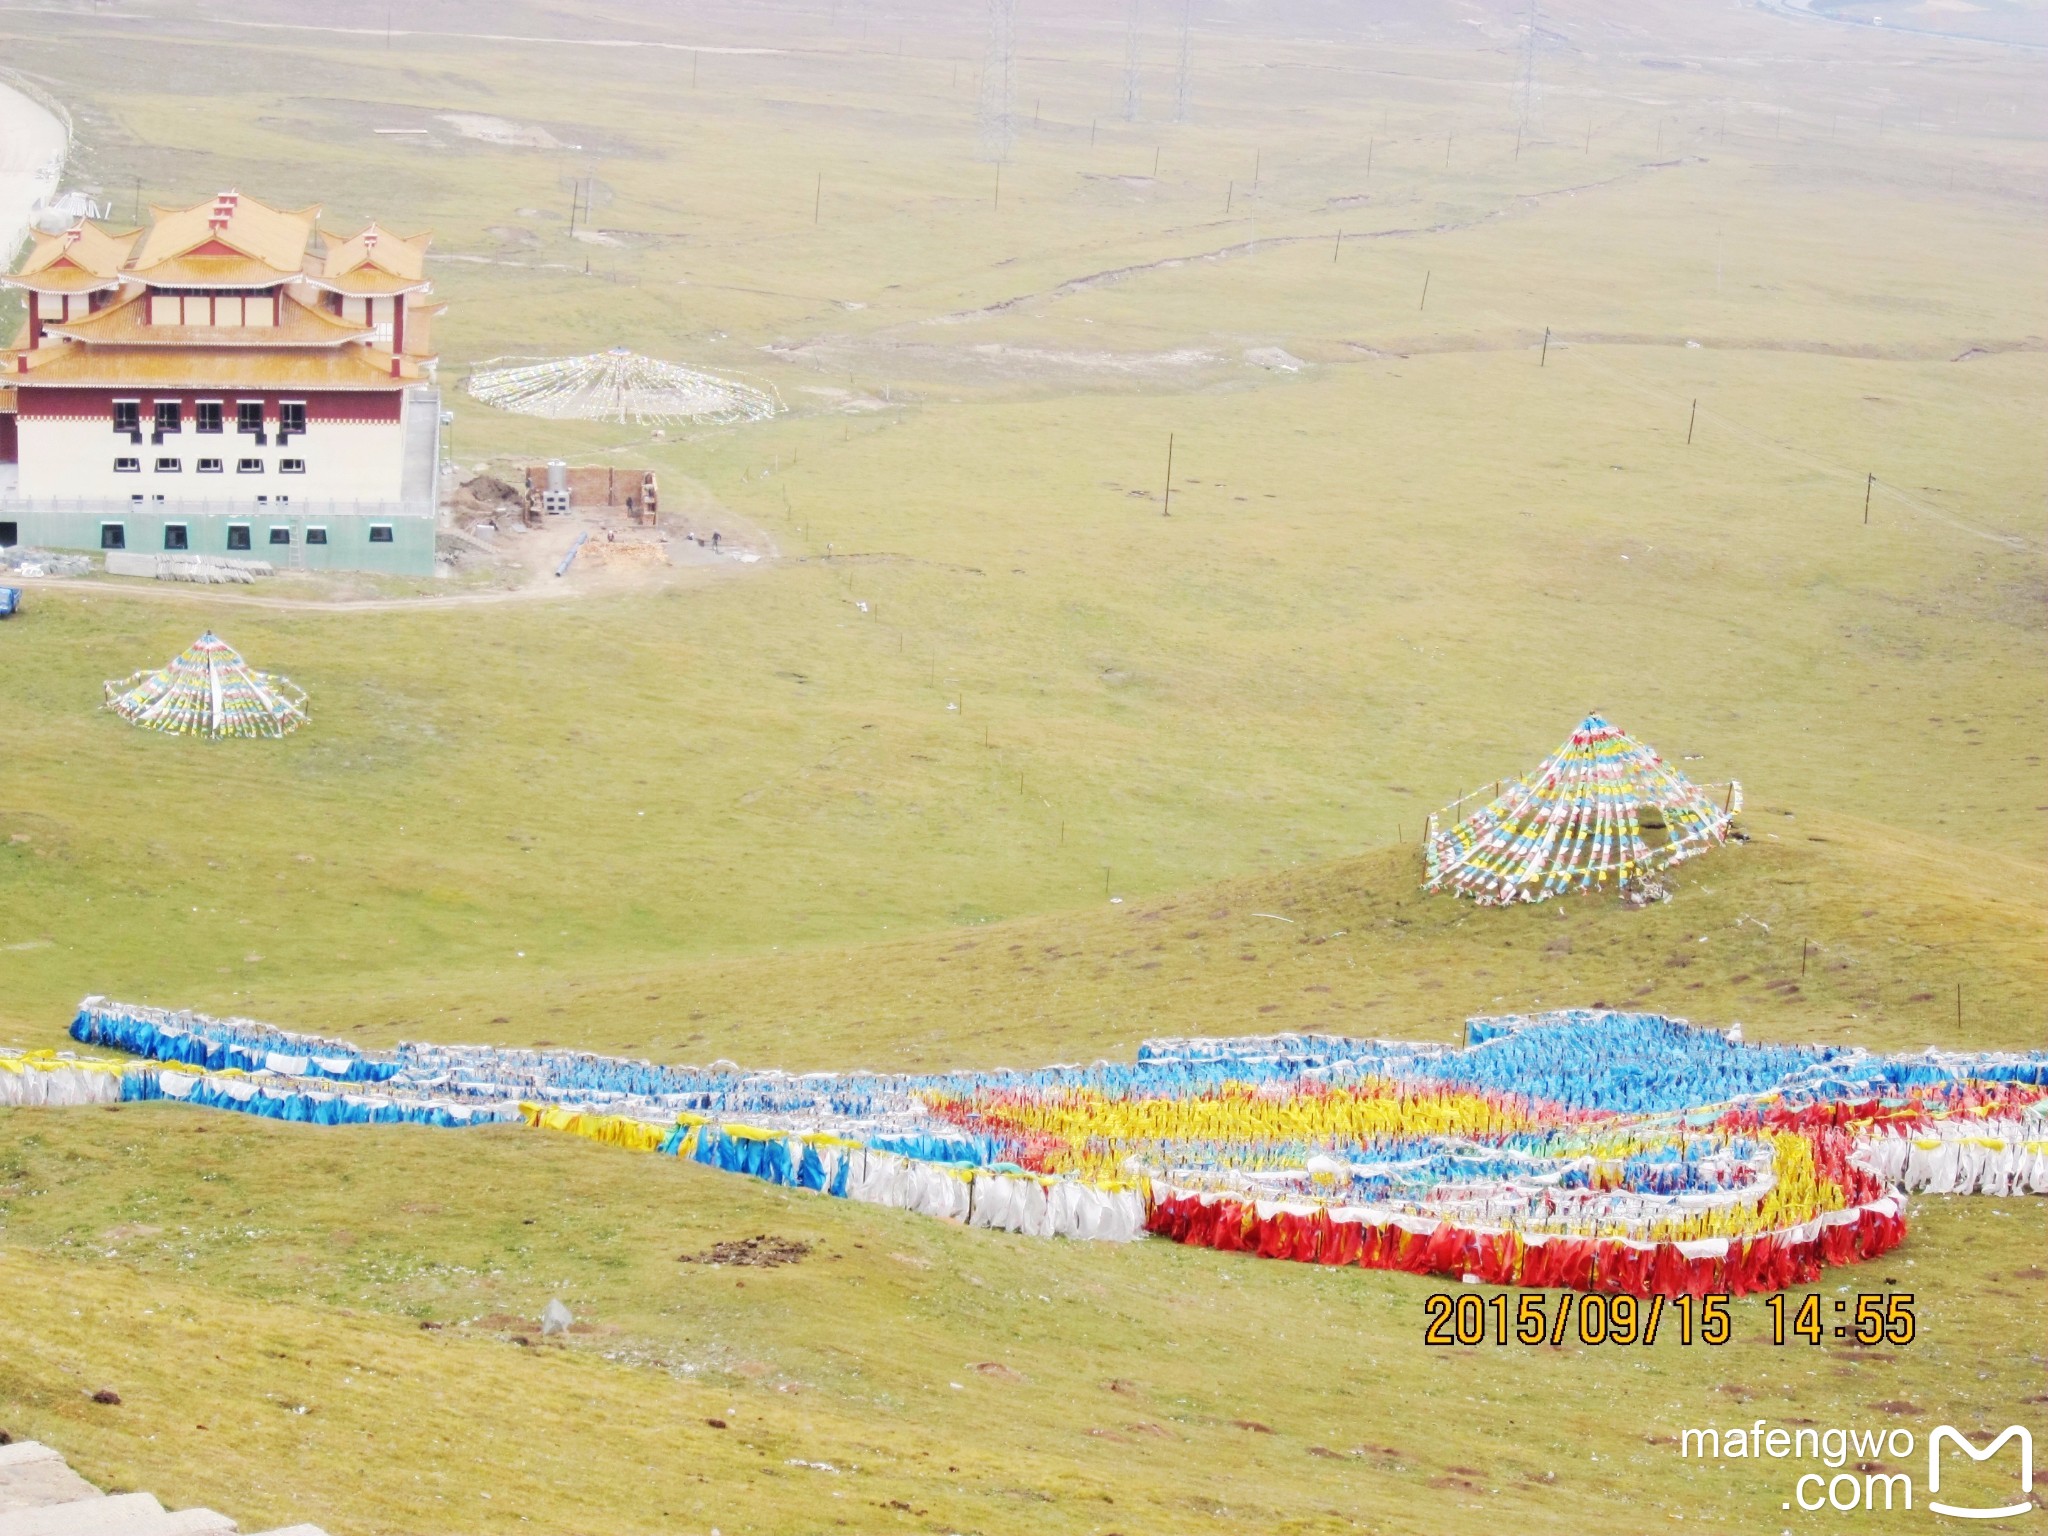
[1895, 923]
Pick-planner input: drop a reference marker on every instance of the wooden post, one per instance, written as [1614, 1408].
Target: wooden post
[999, 186]
[1691, 421]
[1544, 360]
[1166, 502]
[1338, 249]
[1869, 482]
[818, 197]
[1425, 291]
[1155, 161]
[1369, 143]
[1229, 196]
[1804, 946]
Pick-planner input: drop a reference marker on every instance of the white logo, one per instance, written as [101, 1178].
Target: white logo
[1943, 1432]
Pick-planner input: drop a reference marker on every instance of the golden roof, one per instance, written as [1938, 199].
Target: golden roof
[126, 323]
[374, 261]
[75, 260]
[228, 226]
[207, 367]
[6, 400]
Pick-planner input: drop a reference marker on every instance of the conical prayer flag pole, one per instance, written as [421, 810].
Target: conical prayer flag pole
[1577, 821]
[209, 691]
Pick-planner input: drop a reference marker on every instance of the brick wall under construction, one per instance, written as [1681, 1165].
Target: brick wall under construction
[634, 491]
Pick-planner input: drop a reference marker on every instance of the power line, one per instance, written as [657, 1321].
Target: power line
[1180, 85]
[1131, 65]
[998, 70]
[1529, 68]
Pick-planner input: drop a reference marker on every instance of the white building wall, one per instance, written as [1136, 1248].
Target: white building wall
[345, 461]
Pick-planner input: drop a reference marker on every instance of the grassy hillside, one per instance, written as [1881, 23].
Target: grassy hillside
[997, 764]
[271, 1285]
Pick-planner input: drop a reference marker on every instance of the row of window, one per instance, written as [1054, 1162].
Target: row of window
[177, 536]
[128, 466]
[206, 416]
[262, 501]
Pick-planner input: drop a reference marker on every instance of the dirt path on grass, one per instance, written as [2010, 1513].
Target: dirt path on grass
[605, 584]
[195, 593]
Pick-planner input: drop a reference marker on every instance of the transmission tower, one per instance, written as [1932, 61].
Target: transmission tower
[998, 124]
[1180, 85]
[1131, 66]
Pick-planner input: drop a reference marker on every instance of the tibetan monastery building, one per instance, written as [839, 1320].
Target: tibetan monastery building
[232, 381]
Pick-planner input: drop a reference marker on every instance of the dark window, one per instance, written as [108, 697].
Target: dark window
[174, 536]
[238, 535]
[291, 466]
[169, 466]
[113, 535]
[127, 466]
[206, 416]
[316, 535]
[10, 535]
[248, 466]
[291, 417]
[280, 535]
[248, 415]
[208, 466]
[380, 533]
[170, 416]
[127, 415]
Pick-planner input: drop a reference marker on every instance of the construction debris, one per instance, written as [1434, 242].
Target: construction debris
[210, 570]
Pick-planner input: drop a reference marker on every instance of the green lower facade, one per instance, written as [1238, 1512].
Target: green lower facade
[395, 540]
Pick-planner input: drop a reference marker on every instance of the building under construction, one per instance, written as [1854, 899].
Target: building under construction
[555, 489]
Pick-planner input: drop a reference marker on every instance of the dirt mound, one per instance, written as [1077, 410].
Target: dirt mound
[486, 498]
[763, 1252]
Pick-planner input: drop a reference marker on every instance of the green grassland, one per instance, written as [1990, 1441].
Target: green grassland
[996, 764]
[271, 1287]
